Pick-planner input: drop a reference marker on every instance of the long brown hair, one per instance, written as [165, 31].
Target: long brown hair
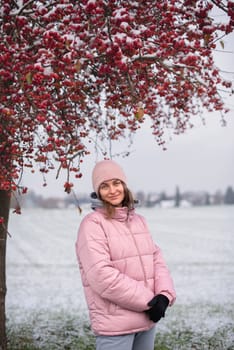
[128, 202]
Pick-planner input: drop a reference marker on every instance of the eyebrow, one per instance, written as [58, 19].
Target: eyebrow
[107, 181]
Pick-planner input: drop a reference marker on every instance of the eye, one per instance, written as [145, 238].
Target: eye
[103, 186]
[117, 182]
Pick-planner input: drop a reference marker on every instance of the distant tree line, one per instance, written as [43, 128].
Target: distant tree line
[192, 198]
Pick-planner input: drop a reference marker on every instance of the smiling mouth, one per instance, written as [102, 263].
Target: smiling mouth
[117, 196]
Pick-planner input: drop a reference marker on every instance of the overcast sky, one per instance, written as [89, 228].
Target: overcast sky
[201, 159]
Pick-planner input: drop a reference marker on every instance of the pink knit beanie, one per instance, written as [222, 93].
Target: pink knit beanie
[106, 170]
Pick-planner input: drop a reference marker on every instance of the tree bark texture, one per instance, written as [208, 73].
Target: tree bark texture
[4, 213]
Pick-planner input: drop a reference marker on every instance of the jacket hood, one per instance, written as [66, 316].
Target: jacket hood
[95, 201]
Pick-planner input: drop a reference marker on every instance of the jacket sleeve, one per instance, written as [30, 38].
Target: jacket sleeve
[163, 281]
[94, 258]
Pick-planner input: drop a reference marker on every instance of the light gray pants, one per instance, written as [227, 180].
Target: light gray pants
[134, 341]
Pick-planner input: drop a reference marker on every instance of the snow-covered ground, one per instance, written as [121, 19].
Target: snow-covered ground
[198, 245]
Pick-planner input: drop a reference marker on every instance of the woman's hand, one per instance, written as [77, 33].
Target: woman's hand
[158, 305]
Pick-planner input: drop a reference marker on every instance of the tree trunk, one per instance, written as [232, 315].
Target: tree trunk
[4, 213]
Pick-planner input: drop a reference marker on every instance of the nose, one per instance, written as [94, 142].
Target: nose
[111, 188]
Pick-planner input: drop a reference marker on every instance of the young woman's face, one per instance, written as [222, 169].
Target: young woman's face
[112, 191]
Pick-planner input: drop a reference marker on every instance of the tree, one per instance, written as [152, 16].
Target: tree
[207, 198]
[229, 196]
[72, 71]
[177, 197]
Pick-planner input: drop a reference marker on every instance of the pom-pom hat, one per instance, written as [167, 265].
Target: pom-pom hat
[106, 170]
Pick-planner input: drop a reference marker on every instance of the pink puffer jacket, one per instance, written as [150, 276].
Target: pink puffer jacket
[121, 270]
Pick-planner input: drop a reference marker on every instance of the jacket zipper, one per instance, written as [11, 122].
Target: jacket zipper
[139, 255]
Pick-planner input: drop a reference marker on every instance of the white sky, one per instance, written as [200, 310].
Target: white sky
[201, 159]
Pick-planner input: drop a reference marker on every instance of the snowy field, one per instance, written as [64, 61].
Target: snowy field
[198, 243]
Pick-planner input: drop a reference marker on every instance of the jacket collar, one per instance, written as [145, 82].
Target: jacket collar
[121, 214]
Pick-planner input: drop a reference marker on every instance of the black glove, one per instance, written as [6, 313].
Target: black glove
[158, 305]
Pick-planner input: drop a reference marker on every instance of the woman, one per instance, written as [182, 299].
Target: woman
[126, 282]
